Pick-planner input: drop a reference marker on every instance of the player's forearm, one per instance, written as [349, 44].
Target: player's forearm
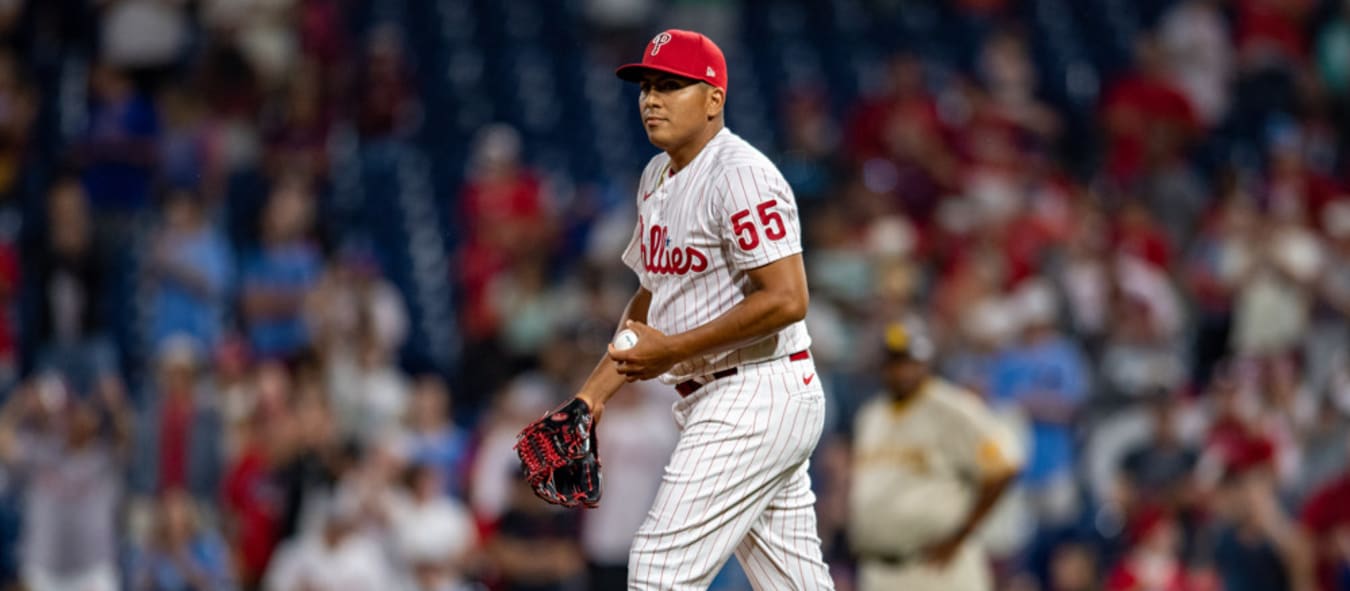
[603, 382]
[760, 314]
[990, 492]
[605, 379]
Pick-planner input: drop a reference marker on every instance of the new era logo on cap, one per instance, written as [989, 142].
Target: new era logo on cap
[682, 53]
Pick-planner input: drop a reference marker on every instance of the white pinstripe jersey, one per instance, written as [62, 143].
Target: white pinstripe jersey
[698, 232]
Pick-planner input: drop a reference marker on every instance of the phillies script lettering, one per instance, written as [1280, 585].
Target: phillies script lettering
[662, 259]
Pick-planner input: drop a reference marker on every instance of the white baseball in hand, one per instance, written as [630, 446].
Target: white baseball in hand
[626, 339]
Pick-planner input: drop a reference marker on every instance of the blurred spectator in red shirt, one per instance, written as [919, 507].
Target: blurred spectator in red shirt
[1326, 518]
[1144, 112]
[253, 500]
[1138, 234]
[297, 133]
[323, 36]
[179, 442]
[1271, 32]
[505, 218]
[1010, 76]
[1240, 438]
[9, 292]
[387, 101]
[1153, 562]
[905, 98]
[985, 8]
[899, 146]
[1195, 36]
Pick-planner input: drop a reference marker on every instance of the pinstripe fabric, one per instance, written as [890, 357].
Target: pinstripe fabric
[737, 483]
[693, 216]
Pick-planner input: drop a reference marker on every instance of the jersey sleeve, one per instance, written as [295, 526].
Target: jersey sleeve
[757, 217]
[632, 255]
[981, 446]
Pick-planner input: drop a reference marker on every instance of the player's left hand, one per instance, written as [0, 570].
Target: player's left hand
[653, 355]
[941, 554]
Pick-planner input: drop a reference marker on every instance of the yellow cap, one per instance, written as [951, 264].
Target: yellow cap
[901, 341]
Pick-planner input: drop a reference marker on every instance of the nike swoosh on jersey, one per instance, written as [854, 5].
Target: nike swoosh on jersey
[807, 380]
[646, 195]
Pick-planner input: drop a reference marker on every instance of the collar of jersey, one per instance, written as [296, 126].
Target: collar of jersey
[667, 175]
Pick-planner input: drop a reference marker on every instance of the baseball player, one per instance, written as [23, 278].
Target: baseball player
[929, 463]
[719, 315]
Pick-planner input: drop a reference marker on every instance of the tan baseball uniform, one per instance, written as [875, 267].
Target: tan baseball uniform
[917, 468]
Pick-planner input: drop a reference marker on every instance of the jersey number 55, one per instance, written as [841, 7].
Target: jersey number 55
[747, 235]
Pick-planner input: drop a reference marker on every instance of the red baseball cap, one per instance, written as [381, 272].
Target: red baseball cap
[683, 53]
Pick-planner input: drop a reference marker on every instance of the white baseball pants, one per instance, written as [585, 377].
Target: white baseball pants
[737, 482]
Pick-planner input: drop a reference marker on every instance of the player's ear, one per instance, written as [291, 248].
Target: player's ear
[715, 100]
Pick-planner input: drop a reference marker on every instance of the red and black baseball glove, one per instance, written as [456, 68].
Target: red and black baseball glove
[560, 457]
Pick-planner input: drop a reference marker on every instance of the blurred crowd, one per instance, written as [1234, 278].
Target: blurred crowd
[204, 359]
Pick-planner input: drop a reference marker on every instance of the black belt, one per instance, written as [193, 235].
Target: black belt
[690, 386]
[891, 560]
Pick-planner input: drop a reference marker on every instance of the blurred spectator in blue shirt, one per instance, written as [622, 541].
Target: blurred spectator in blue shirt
[435, 440]
[119, 145]
[192, 268]
[1046, 375]
[187, 158]
[277, 277]
[181, 554]
[180, 434]
[983, 335]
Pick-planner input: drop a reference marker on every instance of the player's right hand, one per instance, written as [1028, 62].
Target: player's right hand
[652, 356]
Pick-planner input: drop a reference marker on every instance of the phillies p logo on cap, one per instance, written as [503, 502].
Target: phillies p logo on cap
[682, 53]
[658, 41]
